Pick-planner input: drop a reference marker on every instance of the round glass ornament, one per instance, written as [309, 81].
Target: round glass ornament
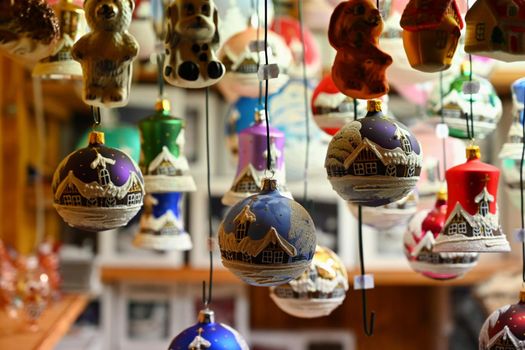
[267, 239]
[97, 188]
[208, 334]
[374, 160]
[318, 291]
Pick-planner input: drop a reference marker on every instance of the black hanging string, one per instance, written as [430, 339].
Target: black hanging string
[443, 141]
[471, 101]
[268, 148]
[95, 111]
[258, 57]
[306, 105]
[522, 204]
[368, 328]
[206, 300]
[160, 78]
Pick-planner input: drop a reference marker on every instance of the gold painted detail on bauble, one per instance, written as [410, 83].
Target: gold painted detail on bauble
[442, 194]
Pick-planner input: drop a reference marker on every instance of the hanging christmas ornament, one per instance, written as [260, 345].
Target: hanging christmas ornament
[106, 53]
[374, 160]
[472, 223]
[514, 145]
[332, 109]
[267, 239]
[242, 59]
[359, 67]
[191, 41]
[208, 334]
[162, 160]
[487, 107]
[504, 328]
[389, 215]
[97, 188]
[495, 29]
[290, 30]
[318, 291]
[419, 240]
[49, 263]
[431, 33]
[252, 161]
[161, 223]
[29, 29]
[60, 64]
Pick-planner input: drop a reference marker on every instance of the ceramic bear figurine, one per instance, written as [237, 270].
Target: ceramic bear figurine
[191, 42]
[106, 53]
[359, 66]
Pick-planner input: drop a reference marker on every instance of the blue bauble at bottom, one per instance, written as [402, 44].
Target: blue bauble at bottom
[208, 334]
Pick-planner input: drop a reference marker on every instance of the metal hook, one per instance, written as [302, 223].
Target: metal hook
[368, 328]
[95, 111]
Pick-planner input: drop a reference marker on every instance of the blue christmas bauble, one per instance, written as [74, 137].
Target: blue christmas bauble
[267, 239]
[208, 334]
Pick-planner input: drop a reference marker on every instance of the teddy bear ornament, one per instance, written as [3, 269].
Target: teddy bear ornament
[106, 53]
[191, 42]
[360, 65]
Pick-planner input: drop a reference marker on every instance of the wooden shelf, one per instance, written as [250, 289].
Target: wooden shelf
[384, 277]
[52, 326]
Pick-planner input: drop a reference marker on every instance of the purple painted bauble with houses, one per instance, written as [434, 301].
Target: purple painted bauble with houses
[252, 164]
[97, 188]
[374, 160]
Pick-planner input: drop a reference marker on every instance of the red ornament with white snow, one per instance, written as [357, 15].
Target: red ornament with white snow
[505, 327]
[419, 240]
[472, 223]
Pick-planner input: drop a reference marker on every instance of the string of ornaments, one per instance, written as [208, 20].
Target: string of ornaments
[267, 238]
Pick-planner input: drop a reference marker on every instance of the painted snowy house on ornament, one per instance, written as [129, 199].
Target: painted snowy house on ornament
[374, 160]
[252, 164]
[496, 29]
[161, 224]
[472, 223]
[97, 188]
[419, 240]
[162, 160]
[317, 291]
[431, 31]
[242, 63]
[504, 328]
[487, 107]
[267, 239]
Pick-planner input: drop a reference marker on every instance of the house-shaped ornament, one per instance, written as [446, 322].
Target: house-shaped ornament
[374, 160]
[162, 159]
[97, 188]
[504, 328]
[161, 223]
[472, 215]
[267, 239]
[496, 29]
[431, 31]
[252, 166]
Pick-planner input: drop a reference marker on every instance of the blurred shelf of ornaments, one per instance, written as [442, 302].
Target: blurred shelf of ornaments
[262, 174]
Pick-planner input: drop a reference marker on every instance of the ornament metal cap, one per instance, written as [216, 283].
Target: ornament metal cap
[442, 194]
[96, 138]
[473, 152]
[522, 296]
[269, 185]
[206, 316]
[374, 106]
[162, 105]
[260, 115]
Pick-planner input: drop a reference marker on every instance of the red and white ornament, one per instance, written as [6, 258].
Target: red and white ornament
[472, 223]
[419, 240]
[505, 328]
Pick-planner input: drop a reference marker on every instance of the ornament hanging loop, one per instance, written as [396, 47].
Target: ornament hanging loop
[95, 111]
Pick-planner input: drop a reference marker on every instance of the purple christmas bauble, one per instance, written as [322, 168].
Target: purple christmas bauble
[97, 188]
[208, 334]
[374, 160]
[267, 239]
